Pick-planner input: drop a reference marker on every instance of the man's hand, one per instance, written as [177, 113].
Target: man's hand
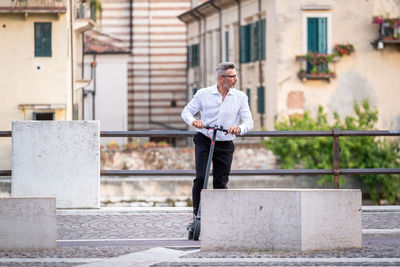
[233, 130]
[198, 124]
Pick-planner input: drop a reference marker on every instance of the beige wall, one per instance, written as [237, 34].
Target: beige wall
[25, 78]
[368, 73]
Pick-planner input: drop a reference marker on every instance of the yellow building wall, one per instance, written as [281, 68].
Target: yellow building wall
[26, 79]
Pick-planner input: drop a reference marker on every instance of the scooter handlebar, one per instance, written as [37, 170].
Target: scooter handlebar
[216, 127]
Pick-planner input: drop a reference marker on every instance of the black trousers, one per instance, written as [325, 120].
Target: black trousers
[222, 160]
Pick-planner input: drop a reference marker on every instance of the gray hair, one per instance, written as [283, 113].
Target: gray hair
[222, 67]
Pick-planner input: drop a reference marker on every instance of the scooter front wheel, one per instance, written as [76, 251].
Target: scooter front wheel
[196, 231]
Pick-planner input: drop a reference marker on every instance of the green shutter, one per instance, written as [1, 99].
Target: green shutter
[252, 39]
[322, 36]
[194, 91]
[246, 43]
[312, 37]
[188, 56]
[261, 100]
[42, 32]
[248, 93]
[242, 44]
[195, 55]
[261, 52]
[226, 46]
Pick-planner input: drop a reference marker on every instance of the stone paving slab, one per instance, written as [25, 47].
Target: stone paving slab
[112, 233]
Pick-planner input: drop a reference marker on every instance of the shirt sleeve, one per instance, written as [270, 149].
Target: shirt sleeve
[192, 108]
[245, 116]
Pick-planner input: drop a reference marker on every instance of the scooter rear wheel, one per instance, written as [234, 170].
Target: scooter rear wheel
[196, 231]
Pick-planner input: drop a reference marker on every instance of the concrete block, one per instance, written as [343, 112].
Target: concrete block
[280, 219]
[28, 223]
[58, 159]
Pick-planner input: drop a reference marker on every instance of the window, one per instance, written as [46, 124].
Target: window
[261, 100]
[248, 93]
[245, 42]
[43, 116]
[193, 56]
[317, 37]
[210, 52]
[253, 41]
[227, 46]
[260, 40]
[42, 39]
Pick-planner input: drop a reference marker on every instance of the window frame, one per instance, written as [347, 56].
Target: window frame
[39, 52]
[328, 17]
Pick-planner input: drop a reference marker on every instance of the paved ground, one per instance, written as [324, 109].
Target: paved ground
[157, 237]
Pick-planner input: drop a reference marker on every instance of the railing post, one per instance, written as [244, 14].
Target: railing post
[336, 170]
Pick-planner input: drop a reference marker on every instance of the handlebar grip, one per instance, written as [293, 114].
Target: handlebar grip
[216, 127]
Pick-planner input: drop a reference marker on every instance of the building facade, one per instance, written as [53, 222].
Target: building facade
[269, 40]
[157, 65]
[105, 99]
[41, 44]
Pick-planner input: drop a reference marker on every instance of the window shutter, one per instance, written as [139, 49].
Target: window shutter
[261, 100]
[42, 39]
[242, 44]
[195, 55]
[226, 46]
[248, 92]
[262, 37]
[194, 91]
[188, 56]
[322, 37]
[312, 37]
[249, 38]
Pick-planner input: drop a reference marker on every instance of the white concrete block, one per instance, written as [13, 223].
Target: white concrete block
[280, 219]
[58, 159]
[28, 223]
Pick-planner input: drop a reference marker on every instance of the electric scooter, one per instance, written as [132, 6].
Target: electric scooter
[195, 233]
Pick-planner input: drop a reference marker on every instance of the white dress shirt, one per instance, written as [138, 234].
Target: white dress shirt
[214, 111]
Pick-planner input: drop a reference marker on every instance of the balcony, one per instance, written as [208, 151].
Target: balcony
[389, 32]
[33, 6]
[316, 67]
[85, 18]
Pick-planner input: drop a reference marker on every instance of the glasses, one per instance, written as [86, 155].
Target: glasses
[231, 76]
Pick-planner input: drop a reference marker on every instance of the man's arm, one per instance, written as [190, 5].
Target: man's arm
[245, 115]
[193, 107]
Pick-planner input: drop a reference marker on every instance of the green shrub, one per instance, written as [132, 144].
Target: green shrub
[355, 152]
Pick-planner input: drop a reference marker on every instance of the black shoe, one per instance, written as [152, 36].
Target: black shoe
[190, 229]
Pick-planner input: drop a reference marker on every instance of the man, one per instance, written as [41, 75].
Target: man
[222, 105]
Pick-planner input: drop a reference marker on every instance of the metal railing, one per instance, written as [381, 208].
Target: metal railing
[335, 171]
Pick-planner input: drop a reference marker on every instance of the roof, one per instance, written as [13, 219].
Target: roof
[100, 43]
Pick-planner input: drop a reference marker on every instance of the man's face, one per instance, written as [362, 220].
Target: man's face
[229, 79]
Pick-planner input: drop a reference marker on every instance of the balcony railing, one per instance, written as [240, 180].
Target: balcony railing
[33, 6]
[335, 171]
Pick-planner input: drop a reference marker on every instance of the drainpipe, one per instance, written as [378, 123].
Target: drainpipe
[220, 29]
[199, 25]
[187, 65]
[94, 87]
[71, 26]
[130, 25]
[240, 43]
[149, 59]
[83, 57]
[204, 49]
[260, 67]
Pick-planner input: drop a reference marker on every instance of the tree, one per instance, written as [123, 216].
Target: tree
[355, 152]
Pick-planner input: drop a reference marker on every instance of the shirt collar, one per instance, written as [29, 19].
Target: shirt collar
[215, 90]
